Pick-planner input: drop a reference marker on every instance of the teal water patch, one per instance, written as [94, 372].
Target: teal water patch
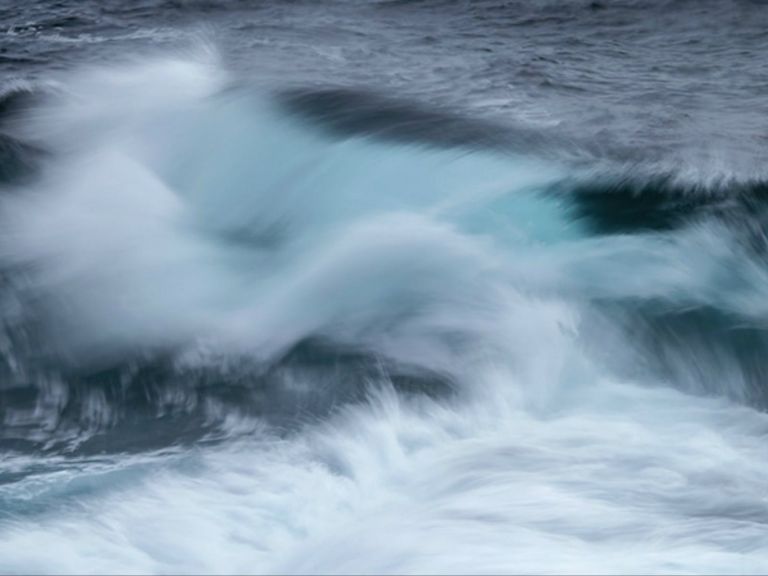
[253, 172]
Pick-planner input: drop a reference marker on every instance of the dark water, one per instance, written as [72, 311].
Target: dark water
[396, 286]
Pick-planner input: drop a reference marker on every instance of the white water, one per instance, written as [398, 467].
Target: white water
[608, 478]
[176, 215]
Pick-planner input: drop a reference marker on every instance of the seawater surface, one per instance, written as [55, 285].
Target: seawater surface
[383, 287]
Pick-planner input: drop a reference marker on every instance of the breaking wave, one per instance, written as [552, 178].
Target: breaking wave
[397, 340]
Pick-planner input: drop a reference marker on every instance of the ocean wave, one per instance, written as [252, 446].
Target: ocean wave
[324, 330]
[177, 213]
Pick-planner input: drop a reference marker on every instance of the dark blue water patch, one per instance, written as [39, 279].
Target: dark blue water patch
[148, 403]
[19, 162]
[350, 112]
[15, 102]
[632, 204]
[701, 350]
